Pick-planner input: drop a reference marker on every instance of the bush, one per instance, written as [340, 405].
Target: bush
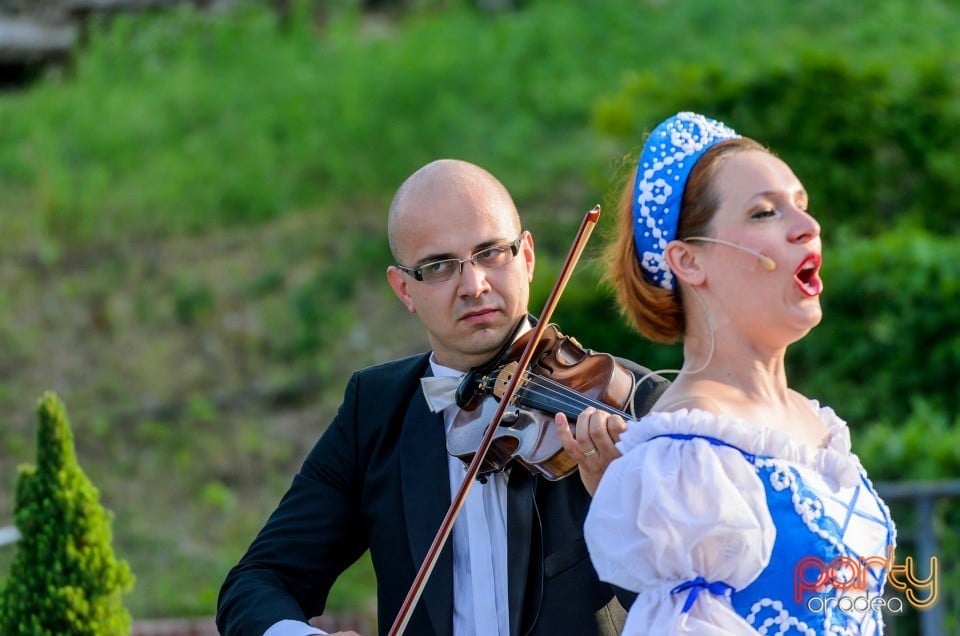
[889, 333]
[64, 578]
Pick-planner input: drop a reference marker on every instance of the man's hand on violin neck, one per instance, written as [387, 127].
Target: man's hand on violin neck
[592, 442]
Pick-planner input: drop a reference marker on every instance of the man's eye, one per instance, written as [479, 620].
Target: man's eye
[490, 255]
[437, 267]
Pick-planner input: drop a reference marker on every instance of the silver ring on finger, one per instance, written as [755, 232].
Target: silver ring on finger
[590, 453]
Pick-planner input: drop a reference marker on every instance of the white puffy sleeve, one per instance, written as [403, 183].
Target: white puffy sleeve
[679, 512]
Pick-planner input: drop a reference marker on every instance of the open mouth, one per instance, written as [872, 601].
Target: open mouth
[807, 276]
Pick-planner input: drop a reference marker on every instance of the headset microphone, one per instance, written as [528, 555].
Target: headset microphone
[765, 261]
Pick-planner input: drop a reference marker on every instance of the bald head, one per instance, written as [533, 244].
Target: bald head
[443, 187]
[452, 210]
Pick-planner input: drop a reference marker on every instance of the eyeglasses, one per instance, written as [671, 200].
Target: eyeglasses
[443, 270]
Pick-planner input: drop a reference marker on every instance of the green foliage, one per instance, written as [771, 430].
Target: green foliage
[922, 445]
[588, 312]
[176, 123]
[889, 334]
[64, 578]
[872, 149]
[191, 301]
[173, 121]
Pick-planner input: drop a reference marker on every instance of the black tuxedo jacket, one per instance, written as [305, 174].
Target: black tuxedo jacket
[377, 479]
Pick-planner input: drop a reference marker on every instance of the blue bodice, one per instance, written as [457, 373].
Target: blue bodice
[830, 556]
[724, 527]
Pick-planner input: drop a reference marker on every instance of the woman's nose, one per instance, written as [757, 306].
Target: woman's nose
[806, 228]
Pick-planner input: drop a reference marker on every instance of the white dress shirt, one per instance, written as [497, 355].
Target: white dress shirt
[479, 539]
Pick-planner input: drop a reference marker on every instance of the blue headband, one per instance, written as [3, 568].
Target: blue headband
[669, 155]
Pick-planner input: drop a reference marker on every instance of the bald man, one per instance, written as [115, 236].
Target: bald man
[380, 477]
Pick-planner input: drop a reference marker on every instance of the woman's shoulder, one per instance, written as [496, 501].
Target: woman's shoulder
[688, 423]
[753, 440]
[702, 417]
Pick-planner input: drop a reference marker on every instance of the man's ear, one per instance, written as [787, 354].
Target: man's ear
[685, 263]
[526, 250]
[398, 282]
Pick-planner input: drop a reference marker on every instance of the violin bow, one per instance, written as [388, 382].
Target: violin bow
[446, 527]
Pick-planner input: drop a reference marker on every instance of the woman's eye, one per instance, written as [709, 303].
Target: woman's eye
[765, 213]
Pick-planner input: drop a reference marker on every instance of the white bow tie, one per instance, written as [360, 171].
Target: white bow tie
[441, 391]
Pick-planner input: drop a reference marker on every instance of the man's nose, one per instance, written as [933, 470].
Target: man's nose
[473, 279]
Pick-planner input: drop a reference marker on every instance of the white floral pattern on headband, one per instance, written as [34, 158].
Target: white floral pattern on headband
[668, 156]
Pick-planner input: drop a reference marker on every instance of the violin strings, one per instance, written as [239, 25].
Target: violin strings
[564, 395]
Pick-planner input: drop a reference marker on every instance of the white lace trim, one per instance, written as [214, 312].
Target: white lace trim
[783, 621]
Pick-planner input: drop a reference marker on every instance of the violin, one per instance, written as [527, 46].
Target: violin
[562, 377]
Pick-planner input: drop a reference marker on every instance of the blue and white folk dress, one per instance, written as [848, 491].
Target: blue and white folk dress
[724, 528]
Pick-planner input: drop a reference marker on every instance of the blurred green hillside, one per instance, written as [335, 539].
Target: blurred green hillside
[192, 213]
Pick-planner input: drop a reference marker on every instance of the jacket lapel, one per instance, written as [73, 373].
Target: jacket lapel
[426, 498]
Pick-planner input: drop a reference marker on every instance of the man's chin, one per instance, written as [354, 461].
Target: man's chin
[486, 342]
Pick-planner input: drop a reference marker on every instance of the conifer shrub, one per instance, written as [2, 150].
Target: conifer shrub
[65, 578]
